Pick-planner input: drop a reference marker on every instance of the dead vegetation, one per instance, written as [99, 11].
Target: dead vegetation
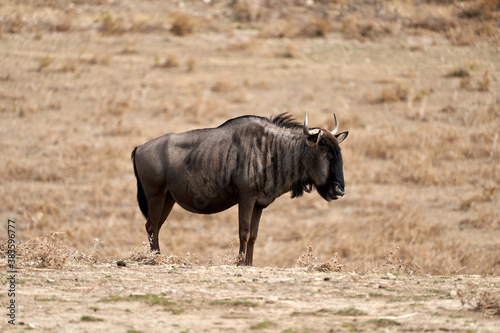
[311, 262]
[479, 299]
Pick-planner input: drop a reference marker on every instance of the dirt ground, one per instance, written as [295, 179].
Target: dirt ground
[178, 298]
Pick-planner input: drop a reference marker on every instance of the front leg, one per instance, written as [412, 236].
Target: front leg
[245, 211]
[254, 229]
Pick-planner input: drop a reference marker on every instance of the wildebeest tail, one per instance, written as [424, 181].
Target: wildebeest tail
[141, 197]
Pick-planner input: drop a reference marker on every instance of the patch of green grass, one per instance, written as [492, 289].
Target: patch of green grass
[177, 311]
[90, 319]
[383, 322]
[133, 331]
[44, 62]
[48, 299]
[235, 303]
[437, 292]
[263, 324]
[424, 297]
[351, 312]
[148, 299]
[456, 316]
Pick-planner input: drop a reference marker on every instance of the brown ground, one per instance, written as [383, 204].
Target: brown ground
[415, 82]
[176, 298]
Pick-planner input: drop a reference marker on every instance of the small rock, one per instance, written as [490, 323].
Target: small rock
[121, 263]
[51, 280]
[453, 293]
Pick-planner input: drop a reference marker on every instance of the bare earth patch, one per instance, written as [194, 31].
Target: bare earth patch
[176, 298]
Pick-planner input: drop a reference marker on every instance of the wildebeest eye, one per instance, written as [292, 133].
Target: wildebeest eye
[329, 156]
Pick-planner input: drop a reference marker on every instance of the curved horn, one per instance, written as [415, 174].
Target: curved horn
[306, 127]
[334, 131]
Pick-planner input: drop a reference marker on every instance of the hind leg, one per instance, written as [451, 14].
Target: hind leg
[167, 208]
[155, 205]
[159, 208]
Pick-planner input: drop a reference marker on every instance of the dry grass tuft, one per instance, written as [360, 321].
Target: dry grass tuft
[111, 25]
[433, 23]
[14, 24]
[485, 301]
[465, 83]
[182, 25]
[399, 92]
[191, 63]
[283, 28]
[315, 27]
[173, 60]
[291, 51]
[365, 29]
[144, 256]
[224, 85]
[246, 10]
[397, 265]
[65, 24]
[44, 252]
[481, 9]
[484, 83]
[308, 260]
[249, 45]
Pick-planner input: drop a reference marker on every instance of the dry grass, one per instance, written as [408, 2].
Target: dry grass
[422, 161]
[143, 255]
[191, 63]
[311, 262]
[484, 301]
[182, 24]
[44, 252]
[484, 83]
[172, 60]
[112, 25]
[394, 94]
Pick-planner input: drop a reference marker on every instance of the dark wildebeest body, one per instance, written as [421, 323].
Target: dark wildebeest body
[249, 161]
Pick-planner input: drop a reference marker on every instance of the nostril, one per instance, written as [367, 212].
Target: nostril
[339, 190]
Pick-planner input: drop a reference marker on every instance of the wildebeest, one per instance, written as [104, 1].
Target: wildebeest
[249, 161]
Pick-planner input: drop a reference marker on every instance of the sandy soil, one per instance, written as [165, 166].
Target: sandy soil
[176, 298]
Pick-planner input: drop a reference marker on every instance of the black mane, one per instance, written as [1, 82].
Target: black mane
[285, 120]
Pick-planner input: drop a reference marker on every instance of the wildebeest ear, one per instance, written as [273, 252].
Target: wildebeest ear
[313, 139]
[341, 136]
